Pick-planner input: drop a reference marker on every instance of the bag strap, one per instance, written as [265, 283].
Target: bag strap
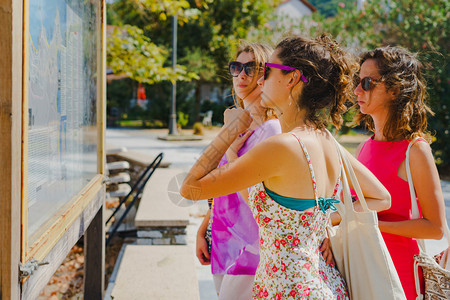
[412, 192]
[346, 167]
[417, 281]
[415, 215]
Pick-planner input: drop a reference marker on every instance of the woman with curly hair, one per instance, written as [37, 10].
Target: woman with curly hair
[294, 175]
[233, 252]
[392, 102]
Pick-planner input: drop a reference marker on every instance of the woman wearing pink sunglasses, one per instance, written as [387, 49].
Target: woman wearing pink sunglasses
[392, 102]
[305, 81]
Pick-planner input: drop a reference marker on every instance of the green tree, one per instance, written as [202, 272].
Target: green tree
[203, 65]
[329, 8]
[218, 29]
[208, 33]
[131, 53]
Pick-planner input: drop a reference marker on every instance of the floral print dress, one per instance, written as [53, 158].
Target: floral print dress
[291, 265]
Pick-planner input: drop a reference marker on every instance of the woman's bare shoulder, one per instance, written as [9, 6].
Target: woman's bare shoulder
[278, 146]
[421, 152]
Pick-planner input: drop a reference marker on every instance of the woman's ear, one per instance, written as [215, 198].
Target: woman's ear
[293, 79]
[394, 92]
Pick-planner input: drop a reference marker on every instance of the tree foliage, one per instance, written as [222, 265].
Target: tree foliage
[208, 34]
[131, 53]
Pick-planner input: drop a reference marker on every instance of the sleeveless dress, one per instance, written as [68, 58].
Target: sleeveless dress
[383, 159]
[234, 232]
[291, 265]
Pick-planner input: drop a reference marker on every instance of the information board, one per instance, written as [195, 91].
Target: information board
[62, 105]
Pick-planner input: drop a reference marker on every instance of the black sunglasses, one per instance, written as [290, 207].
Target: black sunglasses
[368, 83]
[235, 68]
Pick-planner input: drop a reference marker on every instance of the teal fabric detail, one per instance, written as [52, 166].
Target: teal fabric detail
[327, 203]
[292, 203]
[302, 204]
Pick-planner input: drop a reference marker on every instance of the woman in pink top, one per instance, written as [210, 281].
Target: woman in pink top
[392, 100]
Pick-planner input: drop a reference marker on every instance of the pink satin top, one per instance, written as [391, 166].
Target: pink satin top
[383, 159]
[234, 232]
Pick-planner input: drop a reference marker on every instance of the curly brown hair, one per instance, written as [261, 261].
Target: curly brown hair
[401, 72]
[329, 71]
[262, 54]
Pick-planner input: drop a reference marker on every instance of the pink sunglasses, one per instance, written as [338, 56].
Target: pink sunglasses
[281, 67]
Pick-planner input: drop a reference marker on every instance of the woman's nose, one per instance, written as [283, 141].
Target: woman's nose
[358, 91]
[242, 74]
[260, 81]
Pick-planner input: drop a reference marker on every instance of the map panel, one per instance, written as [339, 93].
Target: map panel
[62, 128]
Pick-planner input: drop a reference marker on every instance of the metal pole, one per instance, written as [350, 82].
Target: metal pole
[173, 112]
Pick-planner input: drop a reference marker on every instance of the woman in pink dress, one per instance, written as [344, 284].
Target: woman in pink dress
[234, 245]
[392, 102]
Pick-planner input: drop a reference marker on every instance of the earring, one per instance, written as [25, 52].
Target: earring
[290, 101]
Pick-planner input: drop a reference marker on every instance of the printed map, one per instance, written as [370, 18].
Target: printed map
[62, 87]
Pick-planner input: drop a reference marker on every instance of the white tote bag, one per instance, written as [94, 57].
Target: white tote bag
[436, 270]
[359, 249]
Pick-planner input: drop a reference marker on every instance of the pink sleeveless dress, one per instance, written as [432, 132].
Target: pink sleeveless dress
[383, 159]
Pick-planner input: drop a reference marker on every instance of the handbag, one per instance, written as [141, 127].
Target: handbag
[358, 248]
[436, 270]
[208, 233]
[208, 236]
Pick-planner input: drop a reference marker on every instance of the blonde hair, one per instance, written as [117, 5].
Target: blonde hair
[262, 54]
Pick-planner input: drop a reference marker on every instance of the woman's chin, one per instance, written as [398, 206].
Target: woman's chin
[241, 93]
[240, 96]
[266, 103]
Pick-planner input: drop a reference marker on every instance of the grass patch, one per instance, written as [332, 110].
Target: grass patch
[142, 124]
[131, 123]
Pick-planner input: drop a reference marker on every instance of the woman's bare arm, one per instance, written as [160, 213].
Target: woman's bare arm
[263, 161]
[428, 189]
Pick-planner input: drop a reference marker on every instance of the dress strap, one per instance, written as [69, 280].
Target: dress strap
[338, 181]
[415, 140]
[308, 158]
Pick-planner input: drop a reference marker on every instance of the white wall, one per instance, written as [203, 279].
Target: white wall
[294, 9]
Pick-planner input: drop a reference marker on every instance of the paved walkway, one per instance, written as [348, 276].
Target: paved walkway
[183, 154]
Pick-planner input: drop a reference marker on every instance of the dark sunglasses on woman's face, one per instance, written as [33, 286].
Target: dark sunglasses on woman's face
[236, 67]
[368, 83]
